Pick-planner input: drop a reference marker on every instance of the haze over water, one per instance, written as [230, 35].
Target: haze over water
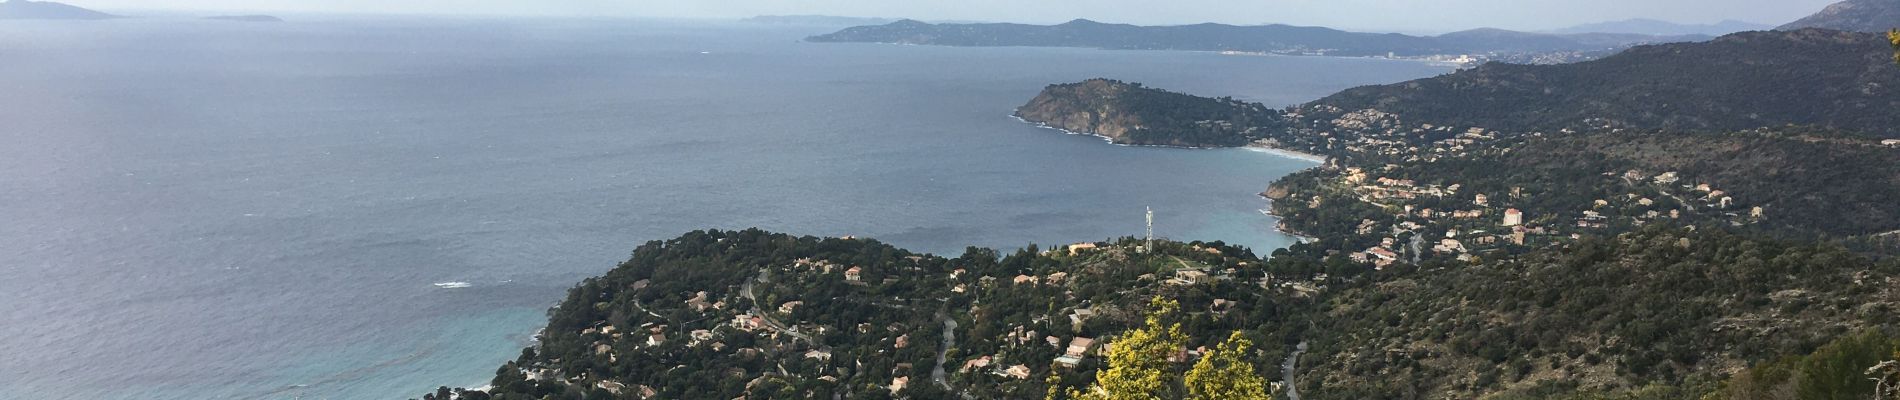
[199, 209]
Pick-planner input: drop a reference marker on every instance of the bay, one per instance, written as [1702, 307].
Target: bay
[209, 210]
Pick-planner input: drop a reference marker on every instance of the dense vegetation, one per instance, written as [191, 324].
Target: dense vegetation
[866, 320]
[1129, 113]
[1829, 79]
[1839, 370]
[1279, 39]
[1660, 306]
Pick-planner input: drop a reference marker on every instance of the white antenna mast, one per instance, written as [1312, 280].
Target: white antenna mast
[1151, 231]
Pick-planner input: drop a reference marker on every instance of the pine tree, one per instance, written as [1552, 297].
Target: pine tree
[1138, 361]
[1224, 373]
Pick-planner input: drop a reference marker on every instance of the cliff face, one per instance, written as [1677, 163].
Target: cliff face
[1128, 113]
[1091, 107]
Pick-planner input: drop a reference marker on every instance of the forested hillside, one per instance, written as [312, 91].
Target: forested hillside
[750, 314]
[1129, 113]
[1661, 306]
[1823, 78]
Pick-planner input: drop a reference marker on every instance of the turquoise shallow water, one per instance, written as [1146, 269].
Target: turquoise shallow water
[202, 210]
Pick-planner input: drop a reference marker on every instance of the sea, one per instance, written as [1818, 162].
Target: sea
[356, 207]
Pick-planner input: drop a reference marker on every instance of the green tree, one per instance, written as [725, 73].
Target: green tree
[1225, 373]
[1838, 370]
[1138, 361]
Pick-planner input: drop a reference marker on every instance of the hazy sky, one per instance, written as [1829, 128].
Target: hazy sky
[1417, 15]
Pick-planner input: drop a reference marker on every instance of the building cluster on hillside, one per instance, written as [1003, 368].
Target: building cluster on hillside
[1424, 221]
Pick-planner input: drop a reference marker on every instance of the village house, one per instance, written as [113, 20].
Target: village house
[854, 274]
[1017, 371]
[1077, 351]
[1078, 248]
[698, 302]
[1057, 278]
[1449, 245]
[1513, 217]
[611, 387]
[1189, 277]
[1667, 178]
[1079, 316]
[979, 362]
[899, 383]
[790, 306]
[1025, 279]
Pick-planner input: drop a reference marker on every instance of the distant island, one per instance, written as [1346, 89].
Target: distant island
[816, 20]
[1482, 44]
[246, 18]
[1646, 26]
[22, 9]
[1853, 15]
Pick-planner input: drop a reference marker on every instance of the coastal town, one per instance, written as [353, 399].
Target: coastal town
[1414, 212]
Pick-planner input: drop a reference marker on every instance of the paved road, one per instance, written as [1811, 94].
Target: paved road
[1290, 371]
[949, 340]
[773, 324]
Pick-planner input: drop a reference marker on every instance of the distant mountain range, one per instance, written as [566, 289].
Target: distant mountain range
[1853, 15]
[1646, 26]
[1275, 39]
[20, 9]
[246, 18]
[820, 20]
[1834, 79]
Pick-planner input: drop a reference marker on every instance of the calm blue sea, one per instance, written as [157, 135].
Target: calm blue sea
[214, 210]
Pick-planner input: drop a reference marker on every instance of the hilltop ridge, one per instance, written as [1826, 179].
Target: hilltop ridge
[1853, 15]
[1273, 39]
[1831, 79]
[23, 9]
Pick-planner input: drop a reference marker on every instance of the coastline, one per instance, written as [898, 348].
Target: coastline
[1280, 224]
[1105, 138]
[1294, 154]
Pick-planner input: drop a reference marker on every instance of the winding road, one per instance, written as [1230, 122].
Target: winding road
[773, 324]
[949, 340]
[1290, 371]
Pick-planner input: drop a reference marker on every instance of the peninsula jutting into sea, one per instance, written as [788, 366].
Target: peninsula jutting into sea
[1220, 199]
[1694, 220]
